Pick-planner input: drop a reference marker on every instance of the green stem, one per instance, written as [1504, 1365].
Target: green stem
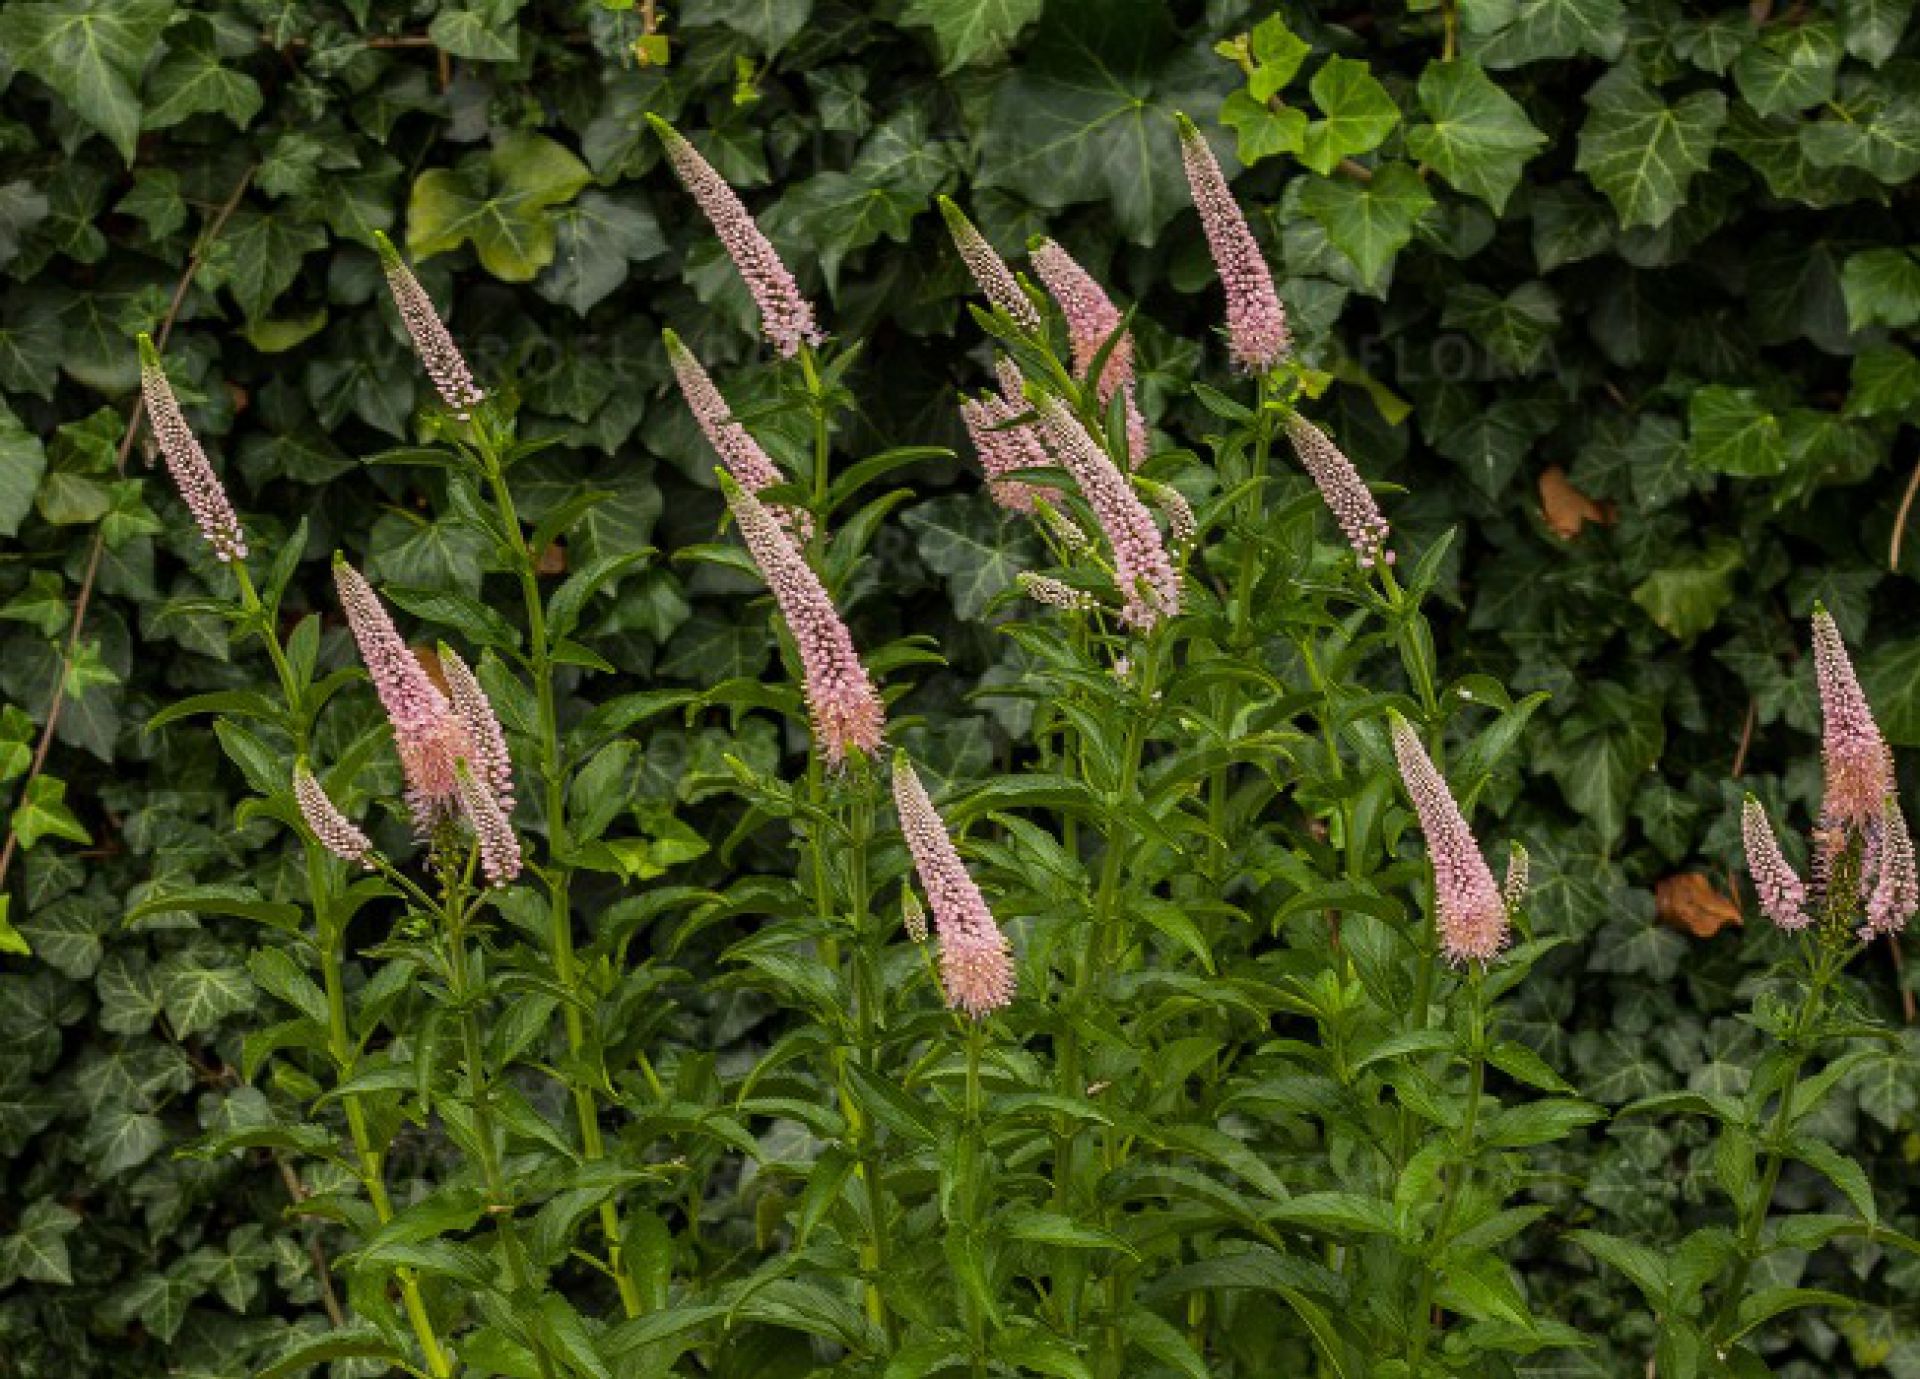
[874, 1252]
[1457, 1177]
[559, 870]
[977, 1143]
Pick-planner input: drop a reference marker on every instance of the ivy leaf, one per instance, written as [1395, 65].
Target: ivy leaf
[1516, 329]
[199, 989]
[500, 202]
[1262, 131]
[1602, 750]
[1510, 33]
[1642, 152]
[771, 24]
[1885, 382]
[91, 52]
[1891, 673]
[1875, 128]
[120, 1137]
[1731, 432]
[23, 462]
[1790, 69]
[1089, 116]
[969, 542]
[1882, 288]
[967, 32]
[37, 1251]
[1372, 221]
[43, 813]
[483, 31]
[191, 80]
[1686, 599]
[594, 241]
[258, 256]
[1357, 114]
[1479, 138]
[1871, 29]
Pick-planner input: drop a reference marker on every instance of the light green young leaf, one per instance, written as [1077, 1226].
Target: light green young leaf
[1479, 137]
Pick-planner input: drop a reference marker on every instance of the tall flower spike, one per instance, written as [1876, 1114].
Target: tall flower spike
[846, 709]
[1896, 886]
[1092, 318]
[1859, 767]
[738, 450]
[989, 269]
[193, 475]
[492, 764]
[1783, 897]
[1343, 490]
[441, 358]
[786, 317]
[976, 965]
[499, 849]
[1004, 450]
[429, 736]
[1472, 913]
[1256, 322]
[335, 831]
[1142, 568]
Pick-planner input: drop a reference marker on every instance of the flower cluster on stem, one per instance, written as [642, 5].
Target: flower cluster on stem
[976, 964]
[743, 456]
[441, 358]
[337, 833]
[1256, 322]
[1092, 320]
[200, 488]
[1344, 491]
[1472, 918]
[989, 269]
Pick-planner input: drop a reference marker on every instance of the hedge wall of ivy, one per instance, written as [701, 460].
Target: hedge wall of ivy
[1625, 290]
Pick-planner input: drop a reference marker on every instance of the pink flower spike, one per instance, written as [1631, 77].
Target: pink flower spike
[1148, 583]
[847, 712]
[193, 475]
[1256, 322]
[738, 450]
[428, 735]
[1859, 767]
[441, 358]
[989, 269]
[492, 764]
[1472, 913]
[1896, 886]
[499, 849]
[1343, 490]
[1783, 897]
[976, 964]
[1091, 317]
[786, 317]
[1004, 450]
[335, 831]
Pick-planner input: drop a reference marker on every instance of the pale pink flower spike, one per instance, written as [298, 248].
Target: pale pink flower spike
[441, 358]
[1344, 491]
[1256, 322]
[1091, 319]
[492, 765]
[976, 964]
[738, 450]
[847, 711]
[1783, 896]
[1896, 886]
[786, 317]
[1859, 767]
[200, 488]
[1149, 585]
[989, 269]
[499, 849]
[1472, 913]
[337, 833]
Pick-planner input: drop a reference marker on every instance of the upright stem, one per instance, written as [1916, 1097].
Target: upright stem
[976, 1141]
[874, 1252]
[1457, 1174]
[559, 870]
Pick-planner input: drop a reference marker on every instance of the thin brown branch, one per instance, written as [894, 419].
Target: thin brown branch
[1746, 740]
[1900, 520]
[328, 1298]
[83, 600]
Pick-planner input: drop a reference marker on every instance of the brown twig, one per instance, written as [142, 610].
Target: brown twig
[1746, 740]
[58, 696]
[328, 1298]
[1900, 520]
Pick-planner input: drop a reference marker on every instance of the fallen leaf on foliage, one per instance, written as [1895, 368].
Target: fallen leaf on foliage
[1565, 509]
[553, 560]
[1688, 902]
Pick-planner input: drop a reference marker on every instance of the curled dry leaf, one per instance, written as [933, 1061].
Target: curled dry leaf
[1565, 509]
[1688, 902]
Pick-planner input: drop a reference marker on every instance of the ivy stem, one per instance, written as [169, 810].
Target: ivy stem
[558, 873]
[1459, 1171]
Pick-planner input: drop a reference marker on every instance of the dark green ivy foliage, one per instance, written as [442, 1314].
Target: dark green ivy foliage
[1660, 252]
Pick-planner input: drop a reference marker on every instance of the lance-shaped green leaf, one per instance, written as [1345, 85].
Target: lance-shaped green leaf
[1478, 137]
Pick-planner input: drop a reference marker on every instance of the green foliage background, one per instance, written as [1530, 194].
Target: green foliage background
[1665, 249]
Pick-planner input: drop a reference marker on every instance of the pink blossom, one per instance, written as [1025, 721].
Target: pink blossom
[429, 736]
[491, 762]
[1783, 898]
[192, 474]
[1256, 322]
[1148, 583]
[442, 359]
[1472, 913]
[1859, 767]
[1896, 887]
[1004, 449]
[1091, 319]
[846, 709]
[738, 450]
[989, 269]
[786, 317]
[335, 831]
[1343, 490]
[976, 964]
[499, 848]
